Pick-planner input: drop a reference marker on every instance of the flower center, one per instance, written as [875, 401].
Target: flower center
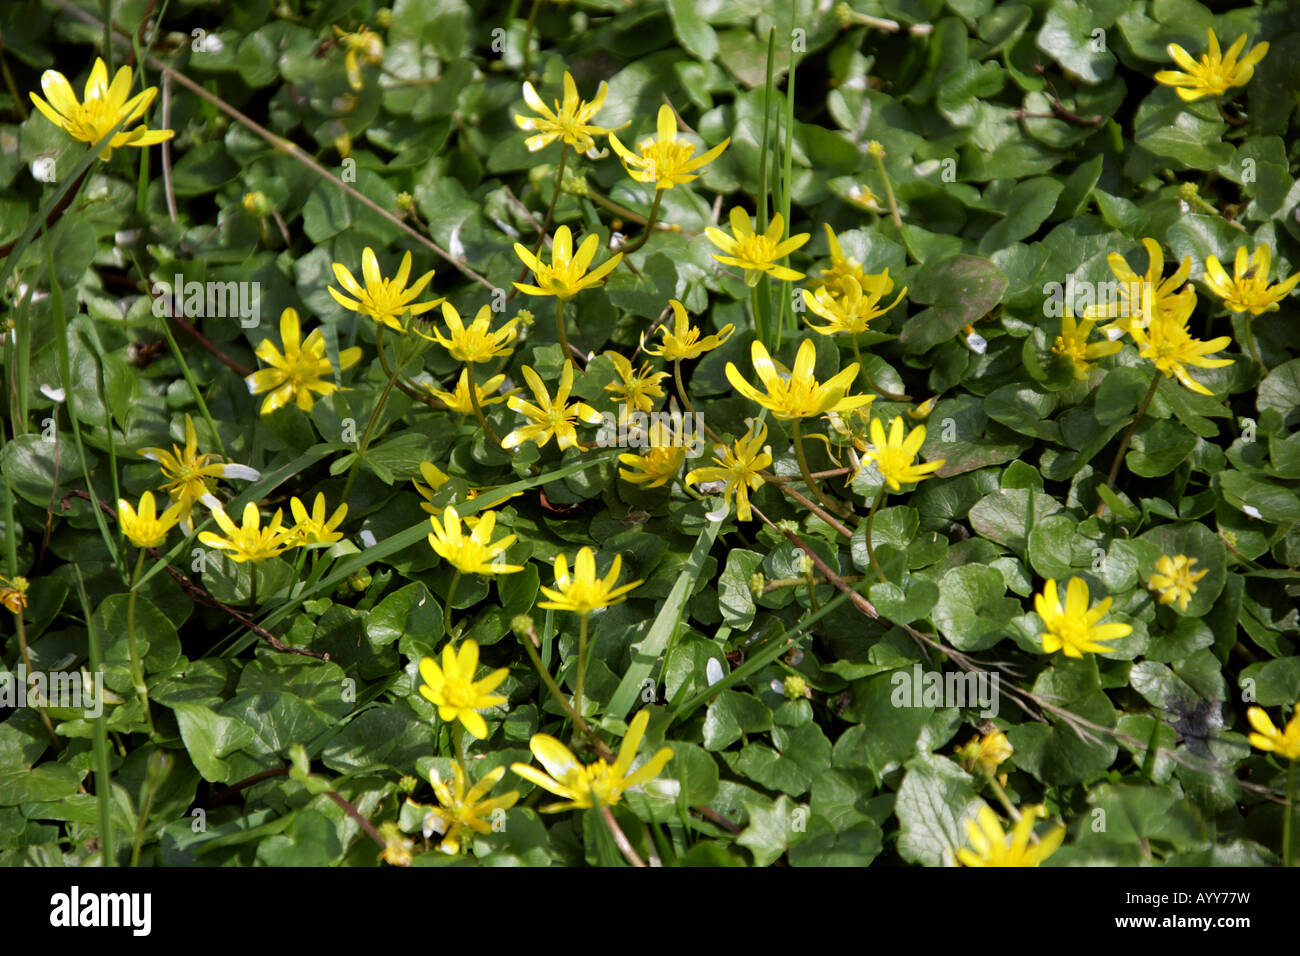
[757, 249]
[458, 693]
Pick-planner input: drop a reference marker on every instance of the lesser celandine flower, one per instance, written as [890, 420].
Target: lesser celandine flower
[1167, 343]
[1073, 627]
[384, 300]
[994, 847]
[582, 591]
[1073, 344]
[988, 751]
[842, 266]
[567, 274]
[1285, 743]
[249, 541]
[300, 370]
[665, 160]
[146, 528]
[895, 456]
[1139, 294]
[739, 467]
[461, 808]
[849, 306]
[570, 121]
[1175, 580]
[13, 593]
[757, 253]
[1216, 73]
[475, 342]
[315, 527]
[797, 394]
[461, 401]
[636, 388]
[660, 463]
[549, 416]
[684, 340]
[105, 105]
[191, 475]
[1248, 289]
[363, 47]
[454, 691]
[475, 553]
[599, 784]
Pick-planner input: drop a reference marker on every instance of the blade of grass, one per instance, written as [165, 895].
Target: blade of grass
[788, 172]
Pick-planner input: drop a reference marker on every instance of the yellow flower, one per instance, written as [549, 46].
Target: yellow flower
[661, 461]
[475, 553]
[192, 474]
[436, 478]
[993, 847]
[105, 106]
[797, 395]
[315, 528]
[461, 808]
[754, 252]
[597, 784]
[460, 400]
[477, 343]
[251, 542]
[256, 203]
[739, 467]
[684, 341]
[853, 306]
[1175, 580]
[1248, 289]
[300, 370]
[1285, 743]
[1140, 294]
[842, 266]
[582, 592]
[1167, 343]
[1073, 344]
[13, 593]
[384, 300]
[637, 388]
[1073, 627]
[664, 161]
[454, 691]
[146, 529]
[895, 456]
[569, 122]
[397, 848]
[364, 46]
[567, 274]
[987, 752]
[550, 417]
[1216, 73]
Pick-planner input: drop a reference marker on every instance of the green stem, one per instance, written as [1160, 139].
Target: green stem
[375, 415]
[1250, 340]
[555, 198]
[458, 733]
[1287, 853]
[252, 588]
[559, 325]
[758, 318]
[1128, 435]
[137, 667]
[446, 610]
[871, 516]
[808, 478]
[528, 36]
[889, 194]
[649, 226]
[103, 769]
[582, 665]
[478, 409]
[681, 388]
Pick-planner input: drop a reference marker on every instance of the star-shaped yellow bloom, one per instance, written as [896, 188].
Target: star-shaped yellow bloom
[314, 527]
[684, 341]
[1284, 743]
[567, 274]
[798, 394]
[664, 160]
[463, 808]
[1216, 73]
[570, 121]
[1175, 580]
[460, 400]
[1073, 344]
[454, 691]
[598, 784]
[549, 417]
[365, 46]
[1167, 343]
[192, 475]
[849, 306]
[993, 847]
[146, 529]
[988, 752]
[1140, 294]
[1072, 627]
[249, 542]
[895, 456]
[739, 467]
[1248, 289]
[475, 342]
[384, 300]
[842, 266]
[756, 252]
[475, 553]
[582, 591]
[637, 388]
[660, 463]
[105, 105]
[300, 370]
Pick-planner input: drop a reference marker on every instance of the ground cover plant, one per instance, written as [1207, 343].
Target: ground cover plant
[649, 433]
